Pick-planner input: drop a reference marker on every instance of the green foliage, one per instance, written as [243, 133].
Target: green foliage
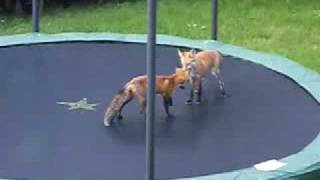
[290, 28]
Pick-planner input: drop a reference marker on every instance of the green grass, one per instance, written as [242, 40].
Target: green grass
[290, 28]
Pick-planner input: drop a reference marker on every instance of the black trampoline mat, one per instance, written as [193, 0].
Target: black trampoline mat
[267, 117]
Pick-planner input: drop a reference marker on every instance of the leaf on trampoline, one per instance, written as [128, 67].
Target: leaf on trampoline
[81, 104]
[269, 165]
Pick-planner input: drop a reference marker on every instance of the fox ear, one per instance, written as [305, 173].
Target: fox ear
[193, 51]
[179, 65]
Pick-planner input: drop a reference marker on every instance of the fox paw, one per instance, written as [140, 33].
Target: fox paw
[225, 95]
[223, 92]
[197, 102]
[120, 117]
[188, 102]
[170, 115]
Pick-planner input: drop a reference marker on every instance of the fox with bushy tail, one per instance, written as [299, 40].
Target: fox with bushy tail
[137, 88]
[123, 97]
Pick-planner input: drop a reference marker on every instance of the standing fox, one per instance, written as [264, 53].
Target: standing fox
[198, 65]
[137, 87]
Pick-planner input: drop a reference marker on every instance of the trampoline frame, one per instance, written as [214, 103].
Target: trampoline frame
[307, 160]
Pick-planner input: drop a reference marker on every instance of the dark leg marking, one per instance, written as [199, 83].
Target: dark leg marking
[166, 103]
[189, 101]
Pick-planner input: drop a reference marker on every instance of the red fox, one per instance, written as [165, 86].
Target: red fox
[198, 65]
[137, 87]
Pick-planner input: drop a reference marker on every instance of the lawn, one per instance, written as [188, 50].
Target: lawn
[290, 28]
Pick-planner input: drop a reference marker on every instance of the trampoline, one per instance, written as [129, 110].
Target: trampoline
[270, 115]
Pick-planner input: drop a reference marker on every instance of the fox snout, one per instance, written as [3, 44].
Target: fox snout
[191, 68]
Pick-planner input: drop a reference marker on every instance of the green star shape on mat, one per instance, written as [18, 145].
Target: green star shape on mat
[81, 104]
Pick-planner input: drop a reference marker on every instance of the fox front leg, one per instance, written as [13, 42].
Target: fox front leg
[195, 91]
[198, 93]
[119, 116]
[192, 81]
[190, 100]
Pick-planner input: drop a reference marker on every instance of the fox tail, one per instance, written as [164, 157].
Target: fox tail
[118, 102]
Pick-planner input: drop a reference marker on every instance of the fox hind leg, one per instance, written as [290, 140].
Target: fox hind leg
[170, 101]
[166, 105]
[119, 116]
[142, 102]
[167, 101]
[216, 73]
